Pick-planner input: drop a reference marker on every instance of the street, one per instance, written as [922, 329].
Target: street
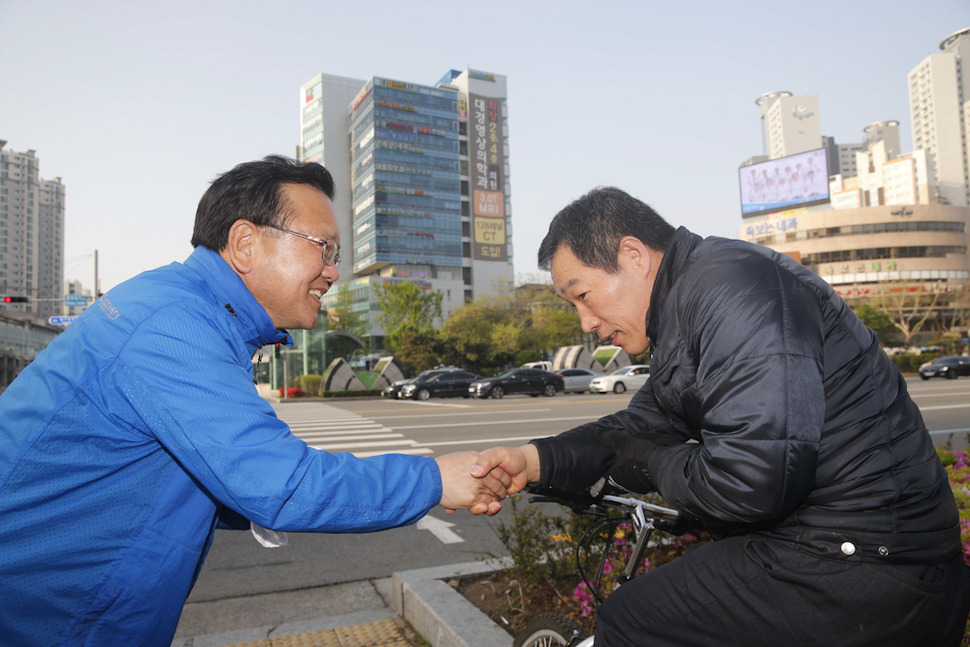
[238, 566]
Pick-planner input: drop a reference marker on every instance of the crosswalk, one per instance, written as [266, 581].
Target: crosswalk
[326, 427]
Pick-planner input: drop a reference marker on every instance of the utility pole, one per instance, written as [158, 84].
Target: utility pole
[95, 275]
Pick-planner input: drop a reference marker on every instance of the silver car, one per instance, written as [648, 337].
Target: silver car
[576, 380]
[628, 378]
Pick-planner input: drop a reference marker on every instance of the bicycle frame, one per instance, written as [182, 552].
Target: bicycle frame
[641, 514]
[643, 527]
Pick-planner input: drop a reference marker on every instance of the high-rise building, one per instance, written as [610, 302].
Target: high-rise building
[422, 180]
[789, 124]
[892, 226]
[31, 236]
[939, 102]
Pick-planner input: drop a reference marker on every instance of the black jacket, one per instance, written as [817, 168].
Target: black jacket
[804, 427]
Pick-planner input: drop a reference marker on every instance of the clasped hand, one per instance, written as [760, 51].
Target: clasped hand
[479, 482]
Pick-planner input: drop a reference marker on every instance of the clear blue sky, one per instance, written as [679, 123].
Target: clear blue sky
[137, 106]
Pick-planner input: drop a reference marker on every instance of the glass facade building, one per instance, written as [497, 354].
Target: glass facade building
[406, 184]
[422, 179]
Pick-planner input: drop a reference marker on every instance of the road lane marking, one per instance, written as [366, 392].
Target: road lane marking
[498, 422]
[464, 414]
[414, 451]
[490, 441]
[342, 446]
[442, 530]
[309, 439]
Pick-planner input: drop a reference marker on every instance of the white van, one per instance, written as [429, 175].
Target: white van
[545, 366]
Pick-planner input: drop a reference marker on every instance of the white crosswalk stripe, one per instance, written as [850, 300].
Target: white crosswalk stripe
[326, 427]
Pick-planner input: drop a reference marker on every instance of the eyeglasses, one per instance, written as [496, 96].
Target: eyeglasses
[331, 250]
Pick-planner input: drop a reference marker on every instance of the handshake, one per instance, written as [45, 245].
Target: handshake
[479, 481]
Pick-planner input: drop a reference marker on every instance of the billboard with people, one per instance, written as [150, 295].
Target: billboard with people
[784, 183]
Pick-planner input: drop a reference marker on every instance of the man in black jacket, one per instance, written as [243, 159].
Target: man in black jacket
[771, 415]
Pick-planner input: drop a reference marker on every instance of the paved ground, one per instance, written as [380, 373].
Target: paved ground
[410, 609]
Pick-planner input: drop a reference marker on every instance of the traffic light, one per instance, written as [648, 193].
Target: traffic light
[15, 299]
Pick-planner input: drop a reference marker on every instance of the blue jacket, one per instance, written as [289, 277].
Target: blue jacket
[126, 439]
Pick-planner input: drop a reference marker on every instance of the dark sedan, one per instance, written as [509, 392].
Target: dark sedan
[949, 367]
[446, 384]
[525, 381]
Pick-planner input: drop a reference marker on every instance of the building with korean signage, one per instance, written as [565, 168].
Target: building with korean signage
[422, 176]
[886, 224]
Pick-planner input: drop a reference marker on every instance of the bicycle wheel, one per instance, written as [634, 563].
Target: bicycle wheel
[549, 630]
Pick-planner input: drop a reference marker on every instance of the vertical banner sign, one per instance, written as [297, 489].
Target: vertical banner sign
[487, 173]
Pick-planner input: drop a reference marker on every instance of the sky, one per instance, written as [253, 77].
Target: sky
[137, 107]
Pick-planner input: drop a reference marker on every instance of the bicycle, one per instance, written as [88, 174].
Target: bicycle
[597, 543]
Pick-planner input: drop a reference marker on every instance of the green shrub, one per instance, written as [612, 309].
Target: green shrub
[910, 363]
[526, 356]
[311, 384]
[350, 394]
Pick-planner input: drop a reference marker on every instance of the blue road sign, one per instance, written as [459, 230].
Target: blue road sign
[61, 321]
[75, 300]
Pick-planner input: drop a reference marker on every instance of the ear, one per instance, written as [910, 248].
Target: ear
[242, 247]
[633, 253]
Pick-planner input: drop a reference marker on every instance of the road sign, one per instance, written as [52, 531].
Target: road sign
[61, 321]
[75, 300]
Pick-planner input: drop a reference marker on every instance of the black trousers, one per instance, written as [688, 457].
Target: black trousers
[755, 590]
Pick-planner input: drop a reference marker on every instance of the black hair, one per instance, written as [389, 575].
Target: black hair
[593, 225]
[252, 191]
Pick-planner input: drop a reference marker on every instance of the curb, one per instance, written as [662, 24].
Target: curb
[423, 597]
[441, 614]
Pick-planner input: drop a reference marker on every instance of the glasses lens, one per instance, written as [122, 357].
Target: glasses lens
[331, 253]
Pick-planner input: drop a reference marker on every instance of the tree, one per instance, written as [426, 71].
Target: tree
[504, 342]
[557, 326]
[342, 316]
[908, 306]
[467, 337]
[417, 350]
[405, 306]
[880, 322]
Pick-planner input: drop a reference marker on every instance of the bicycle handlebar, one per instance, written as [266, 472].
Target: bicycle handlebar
[580, 501]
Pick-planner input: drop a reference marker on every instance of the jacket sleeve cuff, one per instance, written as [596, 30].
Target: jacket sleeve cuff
[571, 464]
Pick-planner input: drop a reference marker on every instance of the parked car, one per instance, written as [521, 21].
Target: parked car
[576, 380]
[950, 367]
[543, 365]
[393, 390]
[627, 378]
[531, 381]
[441, 384]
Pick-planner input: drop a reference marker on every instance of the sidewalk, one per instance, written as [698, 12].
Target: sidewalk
[356, 614]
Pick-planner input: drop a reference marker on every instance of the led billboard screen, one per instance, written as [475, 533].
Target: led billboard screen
[784, 183]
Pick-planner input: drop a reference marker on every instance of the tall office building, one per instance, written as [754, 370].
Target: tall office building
[31, 236]
[939, 102]
[789, 124]
[422, 181]
[842, 160]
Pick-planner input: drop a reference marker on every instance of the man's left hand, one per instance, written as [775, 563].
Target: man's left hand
[630, 470]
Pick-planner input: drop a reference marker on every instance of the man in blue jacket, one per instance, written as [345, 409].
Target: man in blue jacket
[771, 415]
[139, 428]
